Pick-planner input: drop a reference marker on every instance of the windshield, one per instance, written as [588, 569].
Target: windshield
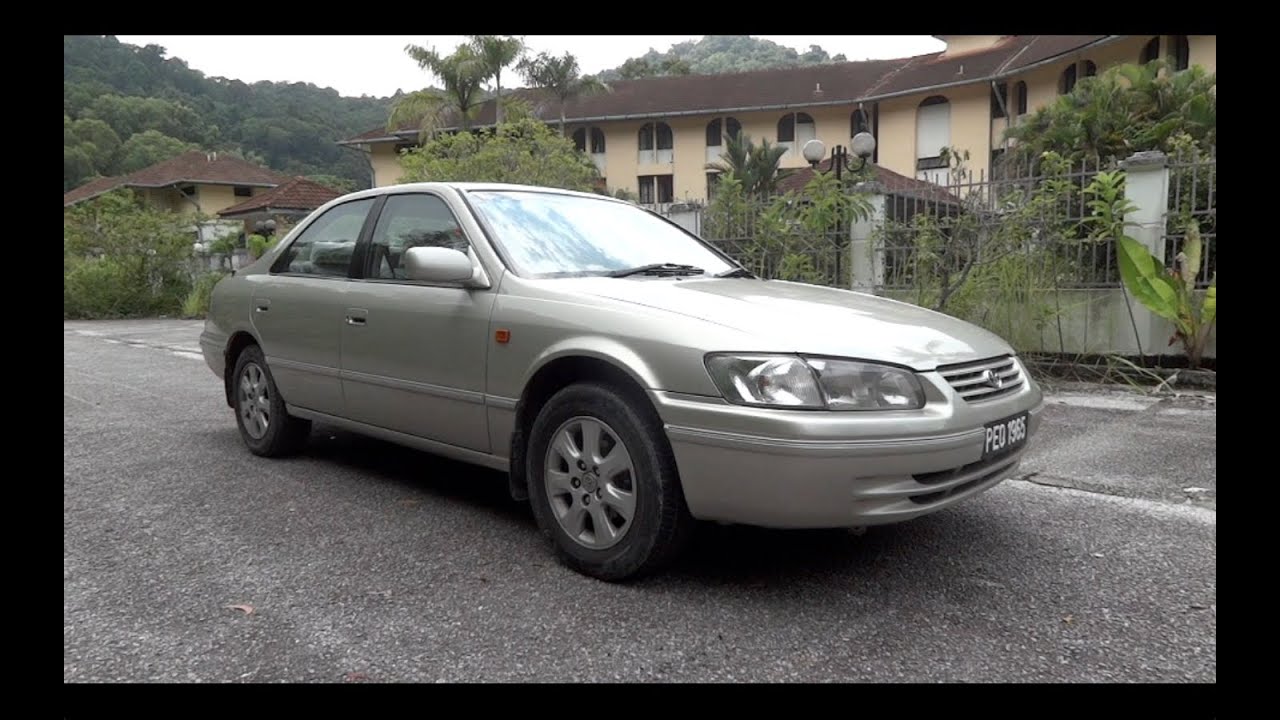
[553, 235]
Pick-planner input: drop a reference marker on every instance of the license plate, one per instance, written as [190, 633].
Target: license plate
[1005, 436]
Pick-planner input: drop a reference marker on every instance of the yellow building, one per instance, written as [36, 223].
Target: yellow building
[193, 182]
[655, 136]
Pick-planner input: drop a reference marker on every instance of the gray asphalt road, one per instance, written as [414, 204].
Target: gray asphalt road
[187, 559]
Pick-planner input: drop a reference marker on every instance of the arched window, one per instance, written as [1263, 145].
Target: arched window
[933, 132]
[597, 141]
[796, 129]
[1179, 52]
[580, 139]
[999, 100]
[1067, 81]
[717, 130]
[1150, 51]
[859, 122]
[1020, 97]
[655, 143]
[732, 127]
[1090, 69]
[714, 130]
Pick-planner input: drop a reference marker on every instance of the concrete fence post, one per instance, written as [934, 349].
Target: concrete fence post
[865, 260]
[1147, 187]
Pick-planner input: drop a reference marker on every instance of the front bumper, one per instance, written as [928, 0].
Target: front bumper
[806, 469]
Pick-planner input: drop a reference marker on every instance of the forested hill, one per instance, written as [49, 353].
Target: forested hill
[716, 54]
[126, 107]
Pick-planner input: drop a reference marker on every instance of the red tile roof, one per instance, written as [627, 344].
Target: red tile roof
[297, 194]
[196, 166]
[840, 83]
[893, 183]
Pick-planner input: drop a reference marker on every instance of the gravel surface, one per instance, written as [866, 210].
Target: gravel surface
[187, 559]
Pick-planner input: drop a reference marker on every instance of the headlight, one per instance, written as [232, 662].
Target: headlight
[795, 382]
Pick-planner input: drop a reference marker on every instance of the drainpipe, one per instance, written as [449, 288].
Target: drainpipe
[1004, 107]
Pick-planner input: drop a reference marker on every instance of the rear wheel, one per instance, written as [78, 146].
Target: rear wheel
[603, 484]
[265, 426]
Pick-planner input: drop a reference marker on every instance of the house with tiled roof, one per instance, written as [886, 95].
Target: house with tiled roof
[283, 205]
[655, 136]
[193, 182]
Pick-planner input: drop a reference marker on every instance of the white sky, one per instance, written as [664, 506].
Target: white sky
[377, 65]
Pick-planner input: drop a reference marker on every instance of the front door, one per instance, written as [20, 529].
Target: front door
[298, 309]
[413, 356]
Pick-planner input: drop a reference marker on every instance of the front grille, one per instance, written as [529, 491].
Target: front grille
[963, 478]
[985, 379]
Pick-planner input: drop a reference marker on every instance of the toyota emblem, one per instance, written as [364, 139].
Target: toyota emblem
[992, 378]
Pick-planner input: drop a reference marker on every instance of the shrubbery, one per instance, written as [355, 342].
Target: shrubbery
[123, 259]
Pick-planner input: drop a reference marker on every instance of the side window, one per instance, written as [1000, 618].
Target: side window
[409, 221]
[326, 246]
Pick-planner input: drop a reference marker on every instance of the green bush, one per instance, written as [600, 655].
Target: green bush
[196, 304]
[98, 288]
[258, 245]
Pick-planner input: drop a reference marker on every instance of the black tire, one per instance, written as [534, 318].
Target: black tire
[285, 435]
[661, 524]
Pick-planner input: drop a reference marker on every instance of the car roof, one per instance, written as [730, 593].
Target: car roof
[466, 187]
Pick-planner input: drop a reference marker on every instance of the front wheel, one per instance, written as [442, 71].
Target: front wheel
[265, 426]
[603, 484]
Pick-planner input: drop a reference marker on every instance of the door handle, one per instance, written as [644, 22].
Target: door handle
[262, 306]
[357, 316]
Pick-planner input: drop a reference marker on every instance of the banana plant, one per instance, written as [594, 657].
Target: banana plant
[1171, 293]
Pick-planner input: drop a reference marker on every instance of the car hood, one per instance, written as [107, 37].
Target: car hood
[793, 317]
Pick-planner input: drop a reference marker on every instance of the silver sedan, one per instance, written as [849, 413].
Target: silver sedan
[629, 377]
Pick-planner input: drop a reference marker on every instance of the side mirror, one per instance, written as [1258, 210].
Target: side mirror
[437, 264]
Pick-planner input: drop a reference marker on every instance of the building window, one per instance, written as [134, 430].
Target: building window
[597, 141]
[717, 130]
[1150, 51]
[656, 189]
[713, 180]
[404, 147]
[242, 191]
[187, 190]
[1179, 52]
[999, 100]
[1020, 90]
[933, 132]
[580, 139]
[796, 129]
[655, 143]
[1067, 81]
[1090, 69]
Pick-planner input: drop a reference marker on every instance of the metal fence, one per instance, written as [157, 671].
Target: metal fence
[1193, 197]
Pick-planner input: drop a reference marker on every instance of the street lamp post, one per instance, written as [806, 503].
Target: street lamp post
[863, 146]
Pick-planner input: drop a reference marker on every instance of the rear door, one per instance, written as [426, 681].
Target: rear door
[298, 308]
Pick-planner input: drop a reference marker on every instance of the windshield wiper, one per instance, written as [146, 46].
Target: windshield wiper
[658, 269]
[735, 272]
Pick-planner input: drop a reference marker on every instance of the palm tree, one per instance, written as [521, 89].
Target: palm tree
[755, 166]
[424, 108]
[462, 73]
[560, 76]
[497, 52]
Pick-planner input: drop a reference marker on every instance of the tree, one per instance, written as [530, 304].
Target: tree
[148, 148]
[463, 73]
[522, 150]
[497, 53]
[561, 77]
[77, 166]
[1127, 109]
[424, 108]
[333, 182]
[754, 166]
[97, 139]
[641, 67]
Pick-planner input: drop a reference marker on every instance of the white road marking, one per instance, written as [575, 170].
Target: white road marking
[110, 381]
[186, 354]
[1102, 402]
[77, 398]
[1154, 508]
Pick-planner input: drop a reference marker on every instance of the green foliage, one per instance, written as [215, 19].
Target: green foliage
[523, 150]
[259, 245]
[463, 73]
[560, 75]
[122, 258]
[497, 53]
[716, 54]
[795, 236]
[333, 182]
[1126, 109]
[196, 304]
[291, 126]
[148, 148]
[1170, 294]
[754, 166]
